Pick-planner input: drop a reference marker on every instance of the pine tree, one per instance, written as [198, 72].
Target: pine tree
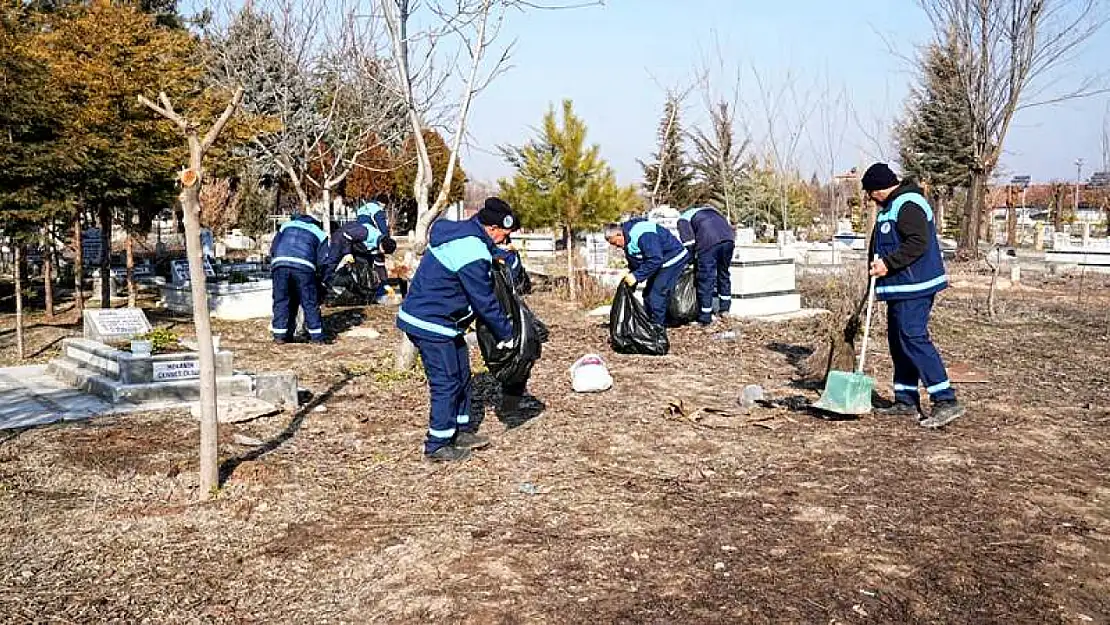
[103, 56]
[669, 180]
[719, 162]
[934, 136]
[561, 181]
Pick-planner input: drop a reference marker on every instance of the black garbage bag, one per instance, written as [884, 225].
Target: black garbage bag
[354, 284]
[511, 366]
[631, 331]
[682, 305]
[523, 282]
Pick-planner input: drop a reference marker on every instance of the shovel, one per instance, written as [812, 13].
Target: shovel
[849, 393]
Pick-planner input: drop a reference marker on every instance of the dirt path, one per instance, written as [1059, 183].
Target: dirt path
[605, 508]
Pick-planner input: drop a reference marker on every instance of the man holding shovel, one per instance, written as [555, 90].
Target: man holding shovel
[909, 270]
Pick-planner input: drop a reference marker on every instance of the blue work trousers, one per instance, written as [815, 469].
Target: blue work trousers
[916, 360]
[714, 280]
[447, 367]
[292, 288]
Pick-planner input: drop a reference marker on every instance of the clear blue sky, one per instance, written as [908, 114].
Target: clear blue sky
[612, 60]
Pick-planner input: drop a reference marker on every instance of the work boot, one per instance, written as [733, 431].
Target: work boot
[448, 453]
[510, 404]
[944, 412]
[469, 440]
[900, 409]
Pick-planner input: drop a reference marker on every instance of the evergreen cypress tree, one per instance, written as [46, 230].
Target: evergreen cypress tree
[669, 179]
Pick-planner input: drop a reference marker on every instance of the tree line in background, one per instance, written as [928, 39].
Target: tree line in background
[988, 60]
[321, 119]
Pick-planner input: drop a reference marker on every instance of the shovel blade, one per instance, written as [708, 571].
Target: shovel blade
[846, 393]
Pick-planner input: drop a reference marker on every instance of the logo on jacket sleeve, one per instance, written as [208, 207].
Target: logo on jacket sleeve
[885, 228]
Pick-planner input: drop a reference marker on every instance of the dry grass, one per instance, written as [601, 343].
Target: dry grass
[606, 508]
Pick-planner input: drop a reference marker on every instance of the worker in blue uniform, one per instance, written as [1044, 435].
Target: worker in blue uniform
[711, 237]
[655, 258]
[372, 215]
[298, 266]
[452, 286]
[909, 270]
[365, 242]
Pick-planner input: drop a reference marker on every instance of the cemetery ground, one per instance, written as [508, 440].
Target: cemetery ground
[621, 507]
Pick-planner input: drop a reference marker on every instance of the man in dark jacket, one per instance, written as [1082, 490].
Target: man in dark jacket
[909, 270]
[654, 256]
[451, 286]
[711, 237]
[298, 264]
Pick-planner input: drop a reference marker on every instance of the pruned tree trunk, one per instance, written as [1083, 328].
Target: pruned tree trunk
[18, 253]
[48, 275]
[971, 228]
[1011, 225]
[995, 268]
[572, 278]
[190, 203]
[78, 267]
[105, 257]
[132, 290]
[325, 195]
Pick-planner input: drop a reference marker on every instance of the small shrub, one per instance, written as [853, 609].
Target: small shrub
[161, 339]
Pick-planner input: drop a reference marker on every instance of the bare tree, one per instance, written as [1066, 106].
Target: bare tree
[786, 114]
[191, 180]
[719, 158]
[827, 140]
[423, 62]
[324, 82]
[1011, 53]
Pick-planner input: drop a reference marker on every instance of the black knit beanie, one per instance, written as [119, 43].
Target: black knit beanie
[878, 177]
[496, 212]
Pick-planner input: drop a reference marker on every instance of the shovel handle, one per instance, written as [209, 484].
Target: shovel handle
[866, 325]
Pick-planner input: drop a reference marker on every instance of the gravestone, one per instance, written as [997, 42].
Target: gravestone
[91, 247]
[745, 236]
[1038, 238]
[596, 252]
[180, 270]
[1061, 240]
[1085, 234]
[114, 324]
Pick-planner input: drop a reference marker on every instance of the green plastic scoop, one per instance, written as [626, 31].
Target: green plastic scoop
[847, 392]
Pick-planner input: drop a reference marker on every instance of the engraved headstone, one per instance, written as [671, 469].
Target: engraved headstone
[114, 324]
[180, 270]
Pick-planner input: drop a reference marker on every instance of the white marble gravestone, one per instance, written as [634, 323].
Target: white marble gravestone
[114, 324]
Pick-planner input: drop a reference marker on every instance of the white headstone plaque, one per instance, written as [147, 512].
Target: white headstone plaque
[114, 324]
[745, 236]
[176, 370]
